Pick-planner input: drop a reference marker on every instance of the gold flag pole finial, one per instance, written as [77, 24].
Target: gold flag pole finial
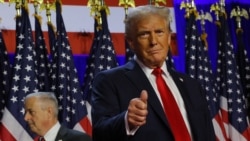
[48, 7]
[36, 3]
[156, 2]
[189, 8]
[18, 6]
[1, 1]
[95, 11]
[203, 17]
[222, 5]
[216, 9]
[238, 13]
[219, 9]
[126, 4]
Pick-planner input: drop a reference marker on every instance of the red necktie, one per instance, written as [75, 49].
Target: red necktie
[41, 139]
[172, 111]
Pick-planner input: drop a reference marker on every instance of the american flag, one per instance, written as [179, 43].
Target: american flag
[65, 83]
[170, 60]
[101, 57]
[129, 54]
[244, 67]
[52, 38]
[5, 69]
[233, 104]
[24, 81]
[198, 66]
[41, 57]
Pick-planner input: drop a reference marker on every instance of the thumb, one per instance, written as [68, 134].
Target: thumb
[144, 96]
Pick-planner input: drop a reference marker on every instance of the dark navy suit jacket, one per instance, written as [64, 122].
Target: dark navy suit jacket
[65, 134]
[112, 91]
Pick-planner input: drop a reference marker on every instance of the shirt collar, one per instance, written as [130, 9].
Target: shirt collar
[148, 71]
[52, 133]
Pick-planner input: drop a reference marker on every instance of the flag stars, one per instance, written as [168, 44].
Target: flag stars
[68, 109]
[239, 100]
[18, 57]
[27, 78]
[74, 101]
[16, 77]
[15, 88]
[28, 68]
[62, 76]
[62, 65]
[110, 48]
[22, 111]
[14, 99]
[102, 57]
[75, 80]
[61, 86]
[21, 36]
[229, 81]
[68, 98]
[60, 97]
[230, 91]
[30, 47]
[68, 58]
[109, 58]
[67, 119]
[73, 111]
[74, 90]
[29, 58]
[239, 120]
[26, 89]
[63, 55]
[100, 67]
[239, 110]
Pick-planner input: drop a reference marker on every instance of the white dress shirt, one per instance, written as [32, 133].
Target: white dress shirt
[52, 133]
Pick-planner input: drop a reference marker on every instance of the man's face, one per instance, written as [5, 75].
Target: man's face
[151, 41]
[35, 116]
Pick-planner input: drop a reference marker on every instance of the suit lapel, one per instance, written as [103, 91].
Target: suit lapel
[61, 133]
[179, 82]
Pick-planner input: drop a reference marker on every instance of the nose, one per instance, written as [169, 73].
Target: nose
[153, 39]
[26, 116]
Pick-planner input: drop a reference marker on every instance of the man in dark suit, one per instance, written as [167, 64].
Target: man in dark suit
[41, 111]
[128, 103]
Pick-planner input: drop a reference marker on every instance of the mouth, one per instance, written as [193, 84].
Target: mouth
[30, 125]
[154, 51]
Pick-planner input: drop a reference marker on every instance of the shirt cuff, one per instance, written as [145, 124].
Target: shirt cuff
[128, 131]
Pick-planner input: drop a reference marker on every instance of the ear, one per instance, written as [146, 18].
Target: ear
[50, 111]
[169, 39]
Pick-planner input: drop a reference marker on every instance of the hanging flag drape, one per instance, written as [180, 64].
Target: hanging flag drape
[244, 67]
[65, 83]
[232, 102]
[102, 55]
[24, 81]
[43, 63]
[198, 66]
[5, 69]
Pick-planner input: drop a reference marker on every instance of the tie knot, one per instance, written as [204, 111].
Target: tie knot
[157, 71]
[41, 139]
